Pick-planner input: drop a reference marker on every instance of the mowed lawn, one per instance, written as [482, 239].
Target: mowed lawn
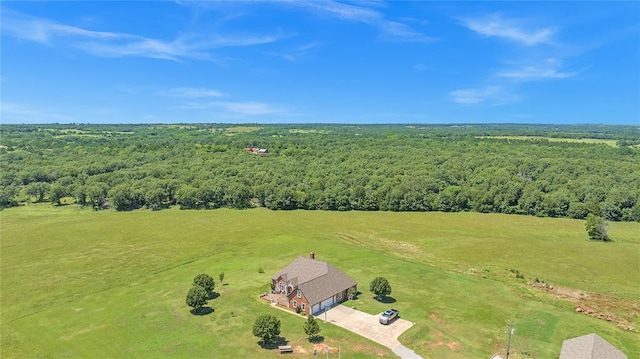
[78, 283]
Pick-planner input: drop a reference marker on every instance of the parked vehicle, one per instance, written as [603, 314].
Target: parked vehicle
[388, 316]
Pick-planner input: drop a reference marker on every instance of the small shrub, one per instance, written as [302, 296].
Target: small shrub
[260, 270]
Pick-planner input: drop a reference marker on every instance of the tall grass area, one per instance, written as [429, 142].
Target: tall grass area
[78, 283]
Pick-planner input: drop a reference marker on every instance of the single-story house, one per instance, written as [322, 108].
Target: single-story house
[257, 150]
[310, 285]
[589, 346]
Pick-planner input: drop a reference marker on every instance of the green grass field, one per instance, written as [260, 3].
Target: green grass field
[611, 143]
[78, 283]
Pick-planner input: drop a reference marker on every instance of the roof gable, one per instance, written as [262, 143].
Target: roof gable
[304, 269]
[590, 346]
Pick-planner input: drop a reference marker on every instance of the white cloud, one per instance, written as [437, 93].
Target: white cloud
[343, 11]
[404, 32]
[495, 26]
[12, 112]
[392, 29]
[192, 92]
[549, 69]
[496, 95]
[249, 108]
[295, 54]
[114, 44]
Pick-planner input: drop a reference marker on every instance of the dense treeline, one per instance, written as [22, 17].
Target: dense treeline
[326, 167]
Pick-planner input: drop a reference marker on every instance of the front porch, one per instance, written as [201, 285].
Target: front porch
[277, 299]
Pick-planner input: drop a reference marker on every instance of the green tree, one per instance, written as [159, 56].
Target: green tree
[205, 281]
[56, 192]
[197, 297]
[221, 277]
[37, 189]
[596, 228]
[8, 196]
[352, 293]
[97, 194]
[267, 328]
[380, 287]
[311, 327]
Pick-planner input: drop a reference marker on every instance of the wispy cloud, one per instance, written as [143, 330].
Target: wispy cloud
[192, 92]
[295, 54]
[197, 98]
[362, 12]
[496, 95]
[549, 69]
[340, 10]
[496, 26]
[404, 32]
[116, 44]
[12, 112]
[248, 108]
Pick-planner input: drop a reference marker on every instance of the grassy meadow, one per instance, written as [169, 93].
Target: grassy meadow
[612, 143]
[79, 283]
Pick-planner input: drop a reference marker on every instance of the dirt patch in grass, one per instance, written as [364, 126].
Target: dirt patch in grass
[435, 318]
[453, 346]
[619, 311]
[369, 350]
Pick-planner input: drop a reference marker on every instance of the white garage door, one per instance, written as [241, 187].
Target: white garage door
[326, 303]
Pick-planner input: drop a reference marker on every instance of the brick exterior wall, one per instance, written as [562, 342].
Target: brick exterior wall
[299, 301]
[293, 296]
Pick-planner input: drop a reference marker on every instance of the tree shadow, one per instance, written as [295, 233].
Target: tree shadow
[317, 339]
[274, 344]
[386, 300]
[202, 311]
[213, 295]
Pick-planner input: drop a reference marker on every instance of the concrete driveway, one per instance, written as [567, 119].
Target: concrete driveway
[367, 325]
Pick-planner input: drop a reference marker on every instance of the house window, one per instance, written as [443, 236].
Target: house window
[299, 293]
[304, 308]
[339, 296]
[295, 304]
[281, 287]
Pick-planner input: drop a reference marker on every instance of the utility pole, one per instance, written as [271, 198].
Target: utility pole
[511, 332]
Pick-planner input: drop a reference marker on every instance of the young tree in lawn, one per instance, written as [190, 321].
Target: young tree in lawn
[596, 228]
[205, 281]
[221, 277]
[267, 328]
[197, 297]
[380, 287]
[311, 327]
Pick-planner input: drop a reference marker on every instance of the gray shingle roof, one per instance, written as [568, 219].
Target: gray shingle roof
[589, 346]
[318, 280]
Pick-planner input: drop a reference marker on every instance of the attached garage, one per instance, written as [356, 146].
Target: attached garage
[326, 303]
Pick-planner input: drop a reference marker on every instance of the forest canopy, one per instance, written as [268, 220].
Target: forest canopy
[542, 170]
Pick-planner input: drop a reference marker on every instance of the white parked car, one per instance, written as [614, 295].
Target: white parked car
[388, 316]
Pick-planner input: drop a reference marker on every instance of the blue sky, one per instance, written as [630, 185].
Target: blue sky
[320, 62]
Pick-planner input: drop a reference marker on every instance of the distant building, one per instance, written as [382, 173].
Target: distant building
[589, 346]
[257, 150]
